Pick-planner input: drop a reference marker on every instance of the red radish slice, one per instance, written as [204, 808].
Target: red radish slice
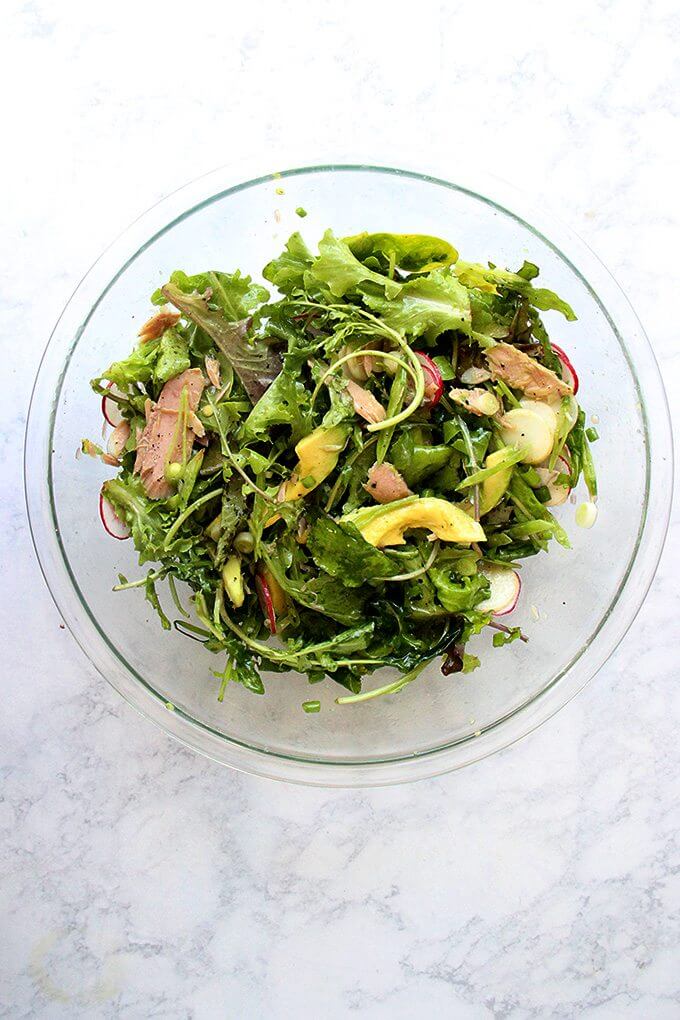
[505, 586]
[266, 602]
[110, 408]
[118, 439]
[113, 525]
[559, 494]
[568, 370]
[434, 383]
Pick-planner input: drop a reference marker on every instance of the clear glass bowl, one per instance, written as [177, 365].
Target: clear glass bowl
[585, 597]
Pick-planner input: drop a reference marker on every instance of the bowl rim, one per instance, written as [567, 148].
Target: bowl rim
[611, 628]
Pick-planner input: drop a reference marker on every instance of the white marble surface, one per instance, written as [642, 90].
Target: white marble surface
[138, 880]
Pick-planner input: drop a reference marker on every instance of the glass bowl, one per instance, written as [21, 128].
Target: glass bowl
[576, 604]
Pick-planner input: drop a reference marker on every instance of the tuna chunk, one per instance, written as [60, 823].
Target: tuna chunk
[385, 484]
[164, 439]
[157, 324]
[365, 404]
[212, 368]
[521, 372]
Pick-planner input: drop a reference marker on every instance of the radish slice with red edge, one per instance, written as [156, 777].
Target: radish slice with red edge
[113, 525]
[568, 371]
[266, 602]
[504, 585]
[559, 494]
[434, 383]
[110, 408]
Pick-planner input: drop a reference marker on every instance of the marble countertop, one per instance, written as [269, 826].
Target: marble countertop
[139, 880]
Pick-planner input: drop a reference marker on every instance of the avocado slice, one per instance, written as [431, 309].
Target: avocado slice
[385, 525]
[494, 487]
[318, 455]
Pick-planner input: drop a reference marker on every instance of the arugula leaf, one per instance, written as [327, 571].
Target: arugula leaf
[150, 521]
[352, 639]
[467, 441]
[232, 515]
[322, 593]
[151, 596]
[340, 550]
[143, 516]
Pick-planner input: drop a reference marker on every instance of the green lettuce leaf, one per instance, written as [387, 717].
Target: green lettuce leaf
[139, 366]
[458, 594]
[413, 253]
[488, 278]
[288, 270]
[415, 458]
[173, 356]
[286, 402]
[426, 305]
[337, 269]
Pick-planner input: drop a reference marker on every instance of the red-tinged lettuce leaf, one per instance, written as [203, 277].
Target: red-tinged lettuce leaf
[234, 294]
[256, 364]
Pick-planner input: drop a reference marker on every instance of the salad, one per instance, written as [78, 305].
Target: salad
[347, 473]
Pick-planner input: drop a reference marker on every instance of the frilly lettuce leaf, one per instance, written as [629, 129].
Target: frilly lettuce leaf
[139, 366]
[340, 271]
[458, 594]
[426, 305]
[287, 271]
[153, 361]
[489, 278]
